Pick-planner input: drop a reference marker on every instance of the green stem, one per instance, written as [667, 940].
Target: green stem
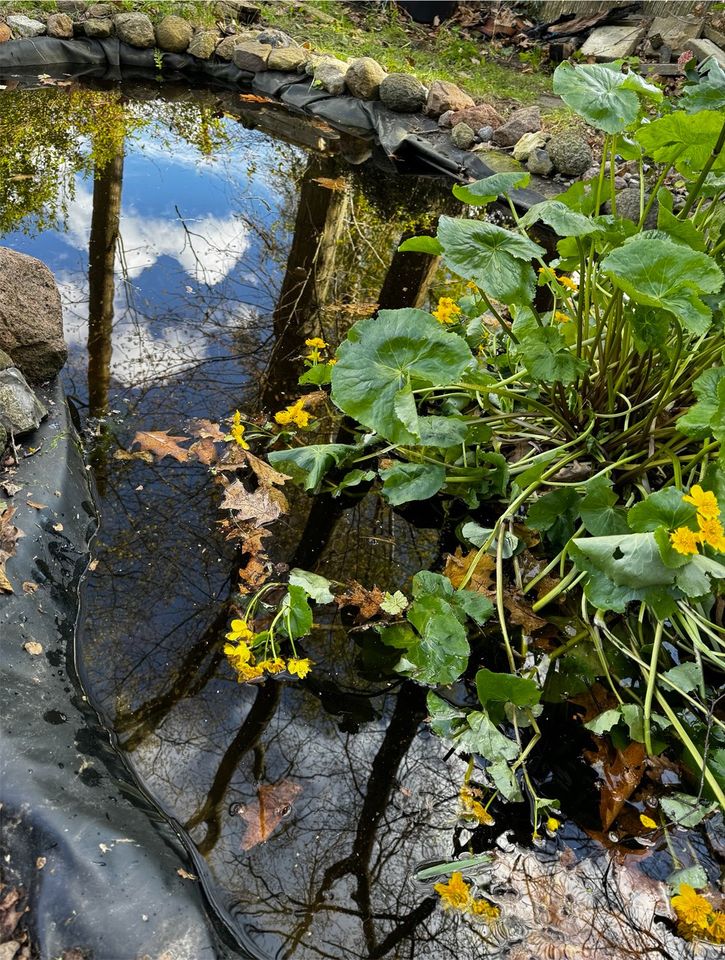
[651, 684]
[695, 189]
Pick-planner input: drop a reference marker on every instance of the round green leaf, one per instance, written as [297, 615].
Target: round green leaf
[684, 140]
[481, 192]
[384, 358]
[602, 95]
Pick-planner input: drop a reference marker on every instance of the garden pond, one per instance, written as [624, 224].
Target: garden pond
[197, 239]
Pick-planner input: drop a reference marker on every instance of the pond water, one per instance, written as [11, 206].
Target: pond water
[194, 253]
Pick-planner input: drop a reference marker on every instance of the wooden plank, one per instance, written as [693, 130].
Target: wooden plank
[551, 9]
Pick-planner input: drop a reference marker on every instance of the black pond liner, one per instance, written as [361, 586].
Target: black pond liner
[110, 885]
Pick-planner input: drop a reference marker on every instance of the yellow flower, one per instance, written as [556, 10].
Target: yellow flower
[684, 540]
[332, 362]
[317, 342]
[456, 894]
[647, 822]
[474, 807]
[568, 283]
[294, 413]
[299, 668]
[482, 908]
[238, 654]
[471, 286]
[561, 317]
[248, 671]
[716, 927]
[552, 824]
[276, 665]
[711, 532]
[447, 310]
[236, 431]
[313, 356]
[547, 272]
[239, 631]
[704, 500]
[692, 910]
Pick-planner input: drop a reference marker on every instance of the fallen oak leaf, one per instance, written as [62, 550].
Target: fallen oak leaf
[206, 430]
[261, 506]
[264, 814]
[620, 772]
[161, 444]
[254, 98]
[367, 601]
[457, 566]
[266, 475]
[9, 536]
[205, 451]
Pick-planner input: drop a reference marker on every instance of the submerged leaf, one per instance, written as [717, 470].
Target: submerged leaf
[161, 444]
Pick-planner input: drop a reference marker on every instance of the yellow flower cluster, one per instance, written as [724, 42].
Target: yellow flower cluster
[457, 895]
[561, 317]
[710, 530]
[550, 274]
[552, 824]
[472, 807]
[293, 414]
[247, 668]
[447, 310]
[236, 431]
[696, 916]
[315, 344]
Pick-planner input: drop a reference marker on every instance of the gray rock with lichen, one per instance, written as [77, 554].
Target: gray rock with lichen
[98, 29]
[203, 44]
[135, 29]
[525, 120]
[403, 93]
[363, 78]
[330, 75]
[628, 207]
[539, 162]
[24, 28]
[173, 34]
[463, 136]
[20, 409]
[570, 153]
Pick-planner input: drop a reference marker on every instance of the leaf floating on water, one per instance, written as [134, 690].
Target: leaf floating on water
[134, 455]
[620, 772]
[205, 429]
[29, 586]
[9, 536]
[205, 451]
[254, 98]
[261, 506]
[368, 602]
[339, 183]
[266, 475]
[10, 488]
[457, 567]
[262, 815]
[161, 444]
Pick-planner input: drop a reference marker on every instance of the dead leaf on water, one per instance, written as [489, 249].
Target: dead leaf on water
[185, 875]
[134, 455]
[10, 488]
[36, 506]
[9, 536]
[161, 444]
[33, 648]
[29, 586]
[205, 429]
[262, 815]
[367, 601]
[457, 567]
[58, 527]
[261, 506]
[205, 451]
[266, 475]
[620, 772]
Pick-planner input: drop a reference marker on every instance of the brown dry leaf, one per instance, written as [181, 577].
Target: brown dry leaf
[340, 183]
[266, 475]
[457, 567]
[620, 771]
[33, 648]
[255, 571]
[10, 489]
[262, 506]
[58, 527]
[594, 701]
[161, 444]
[36, 506]
[40, 862]
[185, 875]
[205, 451]
[134, 455]
[29, 586]
[205, 429]
[9, 536]
[521, 613]
[367, 601]
[234, 458]
[262, 815]
[254, 98]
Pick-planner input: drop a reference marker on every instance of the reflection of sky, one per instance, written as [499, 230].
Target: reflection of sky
[193, 266]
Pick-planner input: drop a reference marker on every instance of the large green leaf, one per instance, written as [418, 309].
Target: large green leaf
[561, 218]
[660, 273]
[308, 465]
[483, 736]
[663, 508]
[598, 510]
[438, 653]
[296, 613]
[313, 584]
[500, 688]
[548, 357]
[602, 95]
[696, 422]
[709, 93]
[684, 140]
[421, 245]
[551, 507]
[630, 560]
[444, 718]
[384, 358]
[404, 482]
[494, 258]
[481, 192]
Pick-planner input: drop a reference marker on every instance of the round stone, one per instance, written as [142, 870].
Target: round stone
[462, 136]
[363, 78]
[539, 162]
[173, 34]
[135, 29]
[570, 153]
[403, 93]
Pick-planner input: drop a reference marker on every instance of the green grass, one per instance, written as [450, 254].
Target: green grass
[445, 54]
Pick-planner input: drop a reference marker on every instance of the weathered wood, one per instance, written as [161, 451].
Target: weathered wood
[551, 9]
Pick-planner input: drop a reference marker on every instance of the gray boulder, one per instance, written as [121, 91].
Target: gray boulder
[98, 29]
[71, 6]
[226, 48]
[203, 44]
[99, 10]
[363, 78]
[484, 134]
[24, 28]
[60, 25]
[31, 321]
[135, 29]
[242, 11]
[462, 136]
[275, 38]
[570, 153]
[20, 409]
[330, 75]
[251, 56]
[525, 120]
[173, 34]
[529, 142]
[628, 207]
[539, 162]
[290, 59]
[403, 93]
[443, 96]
